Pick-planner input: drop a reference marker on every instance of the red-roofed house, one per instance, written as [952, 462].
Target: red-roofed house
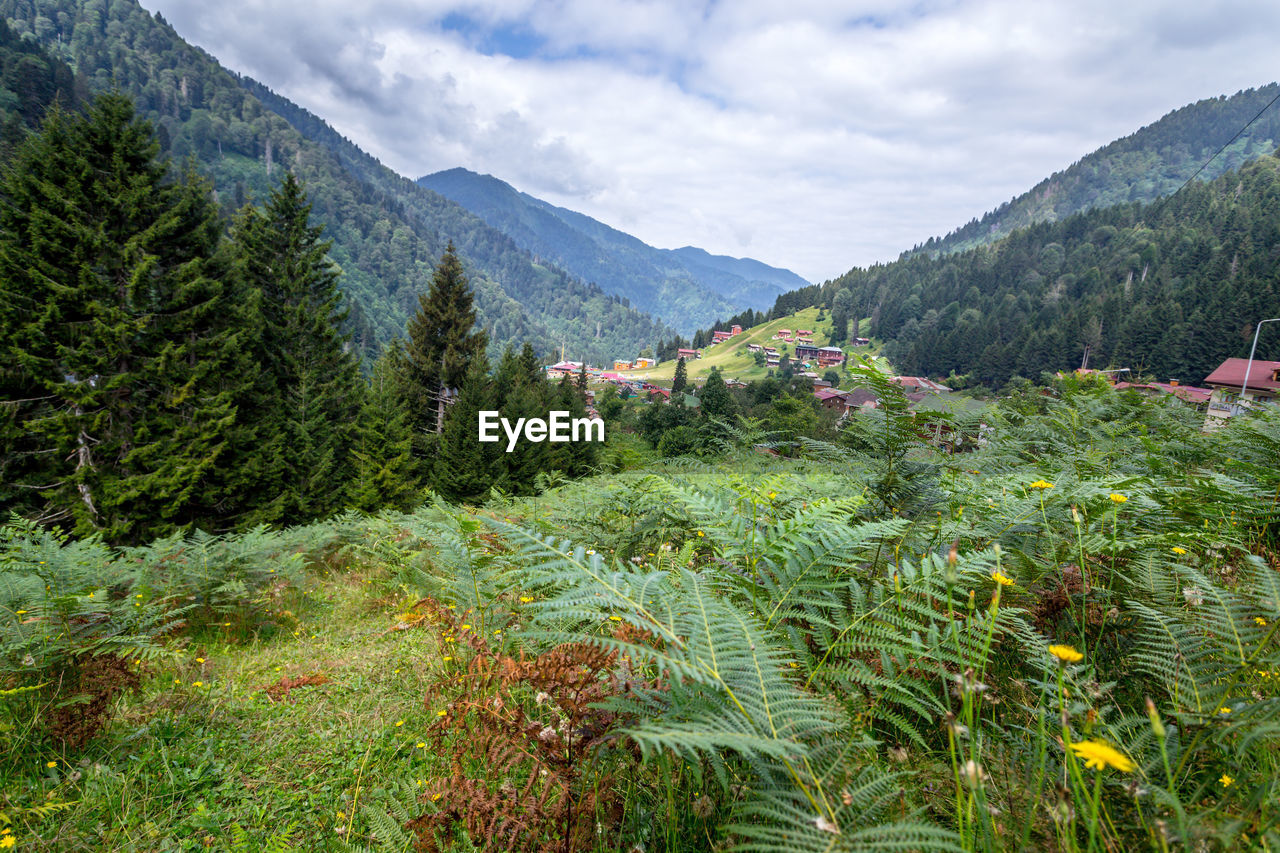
[1187, 393]
[912, 384]
[687, 354]
[1229, 378]
[571, 368]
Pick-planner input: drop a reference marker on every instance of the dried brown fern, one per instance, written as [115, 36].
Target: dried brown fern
[534, 756]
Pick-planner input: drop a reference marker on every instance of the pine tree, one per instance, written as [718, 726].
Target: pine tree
[316, 375]
[384, 472]
[465, 469]
[119, 381]
[679, 381]
[715, 399]
[441, 347]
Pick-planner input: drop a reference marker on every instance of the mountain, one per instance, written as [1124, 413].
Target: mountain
[1148, 164]
[686, 287]
[387, 231]
[1170, 289]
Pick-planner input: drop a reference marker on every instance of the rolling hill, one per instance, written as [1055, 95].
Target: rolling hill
[686, 288]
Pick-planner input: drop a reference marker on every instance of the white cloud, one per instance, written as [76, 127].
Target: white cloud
[812, 135]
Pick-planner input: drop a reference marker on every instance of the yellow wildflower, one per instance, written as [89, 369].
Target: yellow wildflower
[435, 797]
[1066, 654]
[20, 612]
[7, 841]
[772, 495]
[341, 816]
[1225, 780]
[1116, 497]
[199, 660]
[421, 745]
[615, 618]
[1099, 755]
[399, 723]
[1001, 579]
[197, 684]
[1178, 550]
[1042, 484]
[1262, 622]
[1224, 710]
[524, 599]
[51, 764]
[466, 627]
[442, 713]
[700, 534]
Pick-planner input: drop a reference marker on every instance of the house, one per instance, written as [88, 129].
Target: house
[736, 330]
[771, 361]
[659, 395]
[754, 347]
[919, 384]
[644, 363]
[860, 342]
[717, 337]
[947, 421]
[735, 383]
[1198, 397]
[563, 368]
[688, 354]
[807, 352]
[622, 365]
[832, 398]
[1227, 381]
[804, 333]
[770, 351]
[828, 356]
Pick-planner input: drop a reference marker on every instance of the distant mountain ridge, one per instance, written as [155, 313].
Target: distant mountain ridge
[1149, 163]
[687, 287]
[387, 231]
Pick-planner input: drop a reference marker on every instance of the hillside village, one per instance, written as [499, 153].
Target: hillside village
[744, 355]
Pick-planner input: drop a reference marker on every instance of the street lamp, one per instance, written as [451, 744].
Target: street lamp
[1249, 365]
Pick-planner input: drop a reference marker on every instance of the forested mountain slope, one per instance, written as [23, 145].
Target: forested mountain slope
[387, 231]
[1171, 288]
[685, 287]
[1148, 164]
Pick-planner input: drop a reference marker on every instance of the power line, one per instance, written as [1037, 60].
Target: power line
[1206, 163]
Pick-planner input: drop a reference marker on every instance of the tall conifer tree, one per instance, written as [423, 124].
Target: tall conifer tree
[117, 332]
[316, 375]
[441, 347]
[384, 471]
[678, 381]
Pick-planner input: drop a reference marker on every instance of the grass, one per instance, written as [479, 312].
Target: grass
[223, 764]
[732, 356]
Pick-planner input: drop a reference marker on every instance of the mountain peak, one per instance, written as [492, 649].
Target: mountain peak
[687, 287]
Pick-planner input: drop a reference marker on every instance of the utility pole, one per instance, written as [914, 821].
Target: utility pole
[1249, 365]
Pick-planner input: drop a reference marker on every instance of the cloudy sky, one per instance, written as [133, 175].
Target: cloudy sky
[810, 134]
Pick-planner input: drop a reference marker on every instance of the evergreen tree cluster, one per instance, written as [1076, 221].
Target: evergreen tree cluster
[156, 373]
[466, 469]
[30, 81]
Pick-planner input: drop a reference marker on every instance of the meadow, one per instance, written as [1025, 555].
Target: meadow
[1061, 639]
